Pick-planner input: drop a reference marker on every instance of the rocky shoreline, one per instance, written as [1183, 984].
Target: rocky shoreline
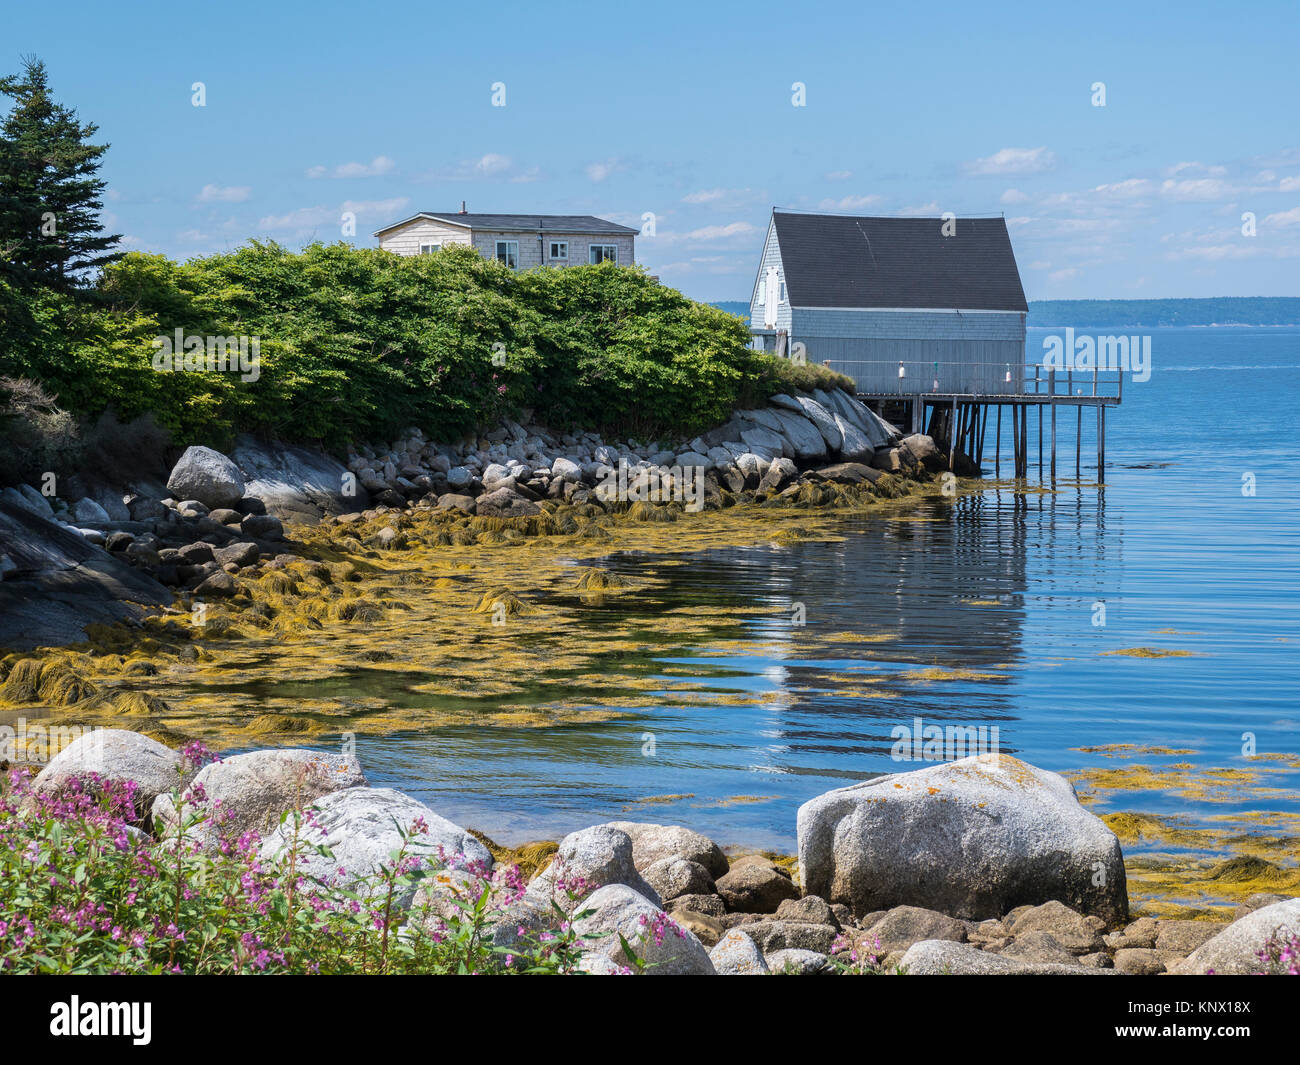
[1028, 882]
[118, 551]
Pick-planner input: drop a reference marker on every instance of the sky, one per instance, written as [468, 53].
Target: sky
[692, 114]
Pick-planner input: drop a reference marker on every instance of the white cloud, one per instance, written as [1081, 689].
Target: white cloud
[1196, 190]
[492, 163]
[377, 167]
[600, 171]
[922, 210]
[1124, 189]
[305, 219]
[722, 232]
[849, 203]
[1289, 184]
[224, 194]
[1284, 218]
[705, 196]
[1014, 161]
[1014, 196]
[1196, 168]
[1063, 275]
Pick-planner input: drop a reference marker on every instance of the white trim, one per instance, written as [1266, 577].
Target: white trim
[551, 246]
[590, 246]
[497, 255]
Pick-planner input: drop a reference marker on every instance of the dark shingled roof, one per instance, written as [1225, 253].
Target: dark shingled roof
[546, 223]
[847, 261]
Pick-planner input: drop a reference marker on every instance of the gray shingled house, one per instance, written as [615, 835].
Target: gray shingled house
[520, 241]
[894, 303]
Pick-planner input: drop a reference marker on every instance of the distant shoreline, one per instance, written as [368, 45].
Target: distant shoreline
[1250, 312]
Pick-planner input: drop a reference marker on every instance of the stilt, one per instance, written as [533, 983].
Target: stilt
[1040, 441]
[1024, 442]
[1015, 442]
[984, 428]
[1101, 443]
[952, 434]
[1078, 446]
[1053, 441]
[997, 446]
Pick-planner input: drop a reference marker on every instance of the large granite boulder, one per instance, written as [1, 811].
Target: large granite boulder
[651, 842]
[666, 948]
[972, 839]
[943, 957]
[589, 859]
[208, 476]
[362, 827]
[249, 792]
[807, 442]
[115, 755]
[1237, 949]
[297, 484]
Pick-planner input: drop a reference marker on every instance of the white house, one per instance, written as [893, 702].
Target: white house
[520, 241]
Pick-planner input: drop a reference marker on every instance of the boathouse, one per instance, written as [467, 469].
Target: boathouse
[894, 301]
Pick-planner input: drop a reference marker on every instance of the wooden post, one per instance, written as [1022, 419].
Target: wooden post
[1078, 445]
[1053, 442]
[997, 446]
[1024, 442]
[1040, 441]
[952, 434]
[1101, 443]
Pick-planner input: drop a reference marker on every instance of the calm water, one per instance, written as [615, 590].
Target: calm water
[1000, 584]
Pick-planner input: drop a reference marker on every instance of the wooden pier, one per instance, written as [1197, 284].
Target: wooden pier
[960, 419]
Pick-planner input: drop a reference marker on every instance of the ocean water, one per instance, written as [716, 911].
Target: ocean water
[980, 611]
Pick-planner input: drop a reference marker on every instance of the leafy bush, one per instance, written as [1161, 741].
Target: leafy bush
[84, 891]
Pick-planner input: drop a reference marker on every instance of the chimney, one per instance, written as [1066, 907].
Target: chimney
[462, 207]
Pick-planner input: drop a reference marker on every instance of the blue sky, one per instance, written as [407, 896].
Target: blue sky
[685, 111]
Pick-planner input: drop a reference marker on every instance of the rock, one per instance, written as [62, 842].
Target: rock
[922, 448]
[1183, 937]
[779, 474]
[846, 473]
[566, 470]
[736, 955]
[226, 516]
[904, 925]
[1074, 932]
[116, 755]
[454, 501]
[940, 957]
[765, 443]
[652, 842]
[888, 459]
[803, 436]
[505, 503]
[191, 508]
[672, 877]
[589, 859]
[665, 948]
[1141, 933]
[218, 585]
[360, 827]
[809, 909]
[791, 935]
[262, 527]
[1235, 950]
[707, 928]
[1041, 948]
[242, 553]
[690, 459]
[295, 484]
[208, 476]
[1139, 961]
[249, 792]
[755, 887]
[971, 839]
[29, 499]
[88, 510]
[1255, 902]
[709, 905]
[460, 477]
[823, 421]
[796, 962]
[195, 554]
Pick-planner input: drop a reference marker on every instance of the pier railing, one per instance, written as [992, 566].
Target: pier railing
[978, 379]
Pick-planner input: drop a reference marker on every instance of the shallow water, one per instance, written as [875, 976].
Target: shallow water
[997, 593]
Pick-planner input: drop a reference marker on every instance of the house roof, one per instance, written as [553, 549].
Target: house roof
[534, 223]
[853, 261]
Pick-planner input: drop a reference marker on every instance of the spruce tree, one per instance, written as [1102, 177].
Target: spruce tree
[50, 190]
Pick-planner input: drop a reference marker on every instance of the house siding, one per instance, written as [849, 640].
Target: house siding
[407, 239]
[973, 351]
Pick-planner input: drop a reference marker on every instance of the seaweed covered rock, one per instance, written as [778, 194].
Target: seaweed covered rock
[971, 839]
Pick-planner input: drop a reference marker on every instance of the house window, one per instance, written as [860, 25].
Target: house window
[782, 296]
[603, 253]
[508, 253]
[560, 250]
[429, 249]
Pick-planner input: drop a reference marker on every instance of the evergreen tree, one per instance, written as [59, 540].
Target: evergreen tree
[50, 191]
